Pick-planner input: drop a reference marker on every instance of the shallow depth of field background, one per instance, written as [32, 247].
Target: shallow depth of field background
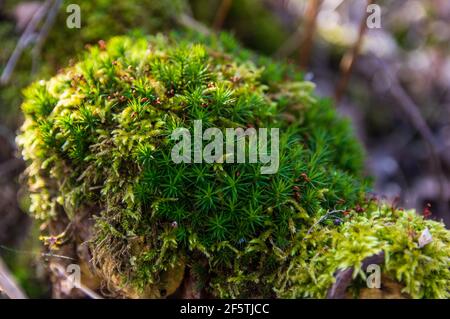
[393, 82]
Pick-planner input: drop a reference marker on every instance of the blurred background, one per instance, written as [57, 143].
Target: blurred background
[391, 77]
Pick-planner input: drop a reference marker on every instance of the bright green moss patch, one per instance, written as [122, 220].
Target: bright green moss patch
[423, 271]
[97, 141]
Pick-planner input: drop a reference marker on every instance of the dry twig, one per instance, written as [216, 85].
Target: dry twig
[310, 28]
[8, 284]
[221, 14]
[189, 22]
[350, 57]
[59, 271]
[43, 34]
[371, 65]
[27, 37]
[23, 42]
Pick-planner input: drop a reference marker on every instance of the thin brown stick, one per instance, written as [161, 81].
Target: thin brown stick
[371, 65]
[25, 39]
[344, 277]
[189, 22]
[408, 106]
[290, 45]
[43, 33]
[33, 253]
[311, 14]
[350, 57]
[222, 14]
[8, 284]
[59, 271]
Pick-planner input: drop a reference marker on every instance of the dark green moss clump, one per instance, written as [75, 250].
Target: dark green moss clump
[97, 140]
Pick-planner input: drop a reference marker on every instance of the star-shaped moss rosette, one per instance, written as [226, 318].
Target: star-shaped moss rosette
[97, 140]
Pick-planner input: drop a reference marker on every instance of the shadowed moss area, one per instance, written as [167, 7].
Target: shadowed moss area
[96, 138]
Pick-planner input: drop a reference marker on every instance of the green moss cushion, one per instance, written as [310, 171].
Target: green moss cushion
[97, 139]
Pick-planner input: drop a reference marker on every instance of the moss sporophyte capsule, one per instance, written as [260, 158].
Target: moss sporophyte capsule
[97, 139]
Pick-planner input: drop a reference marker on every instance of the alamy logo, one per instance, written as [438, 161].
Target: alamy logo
[374, 279]
[238, 142]
[73, 21]
[74, 276]
[374, 18]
